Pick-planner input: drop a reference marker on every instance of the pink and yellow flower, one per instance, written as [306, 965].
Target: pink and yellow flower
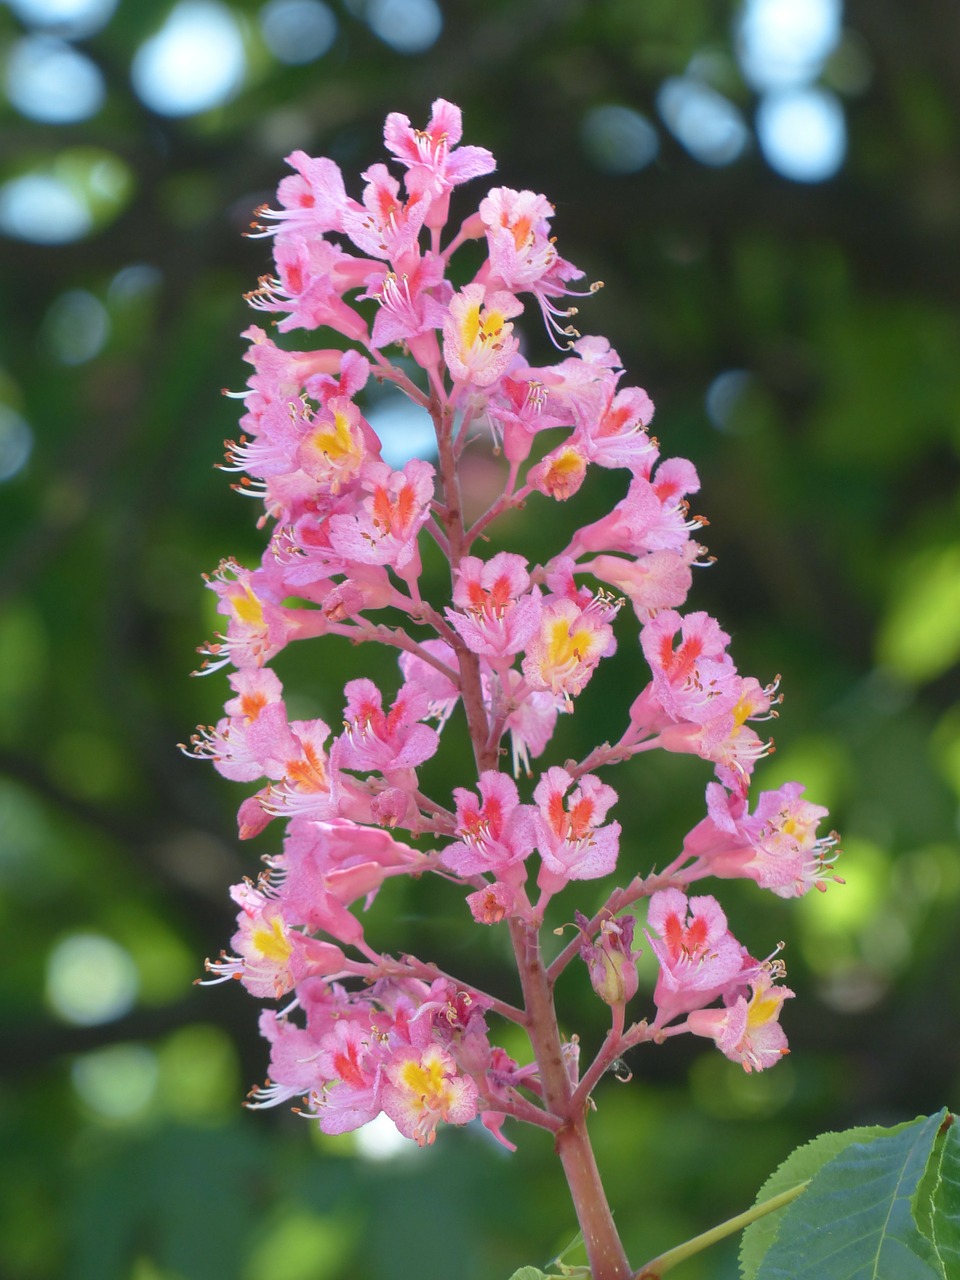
[423, 1089]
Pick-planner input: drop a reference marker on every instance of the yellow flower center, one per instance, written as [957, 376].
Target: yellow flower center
[247, 607]
[425, 1078]
[762, 1009]
[566, 648]
[271, 941]
[336, 440]
[475, 328]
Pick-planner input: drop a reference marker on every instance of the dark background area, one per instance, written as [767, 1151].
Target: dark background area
[801, 339]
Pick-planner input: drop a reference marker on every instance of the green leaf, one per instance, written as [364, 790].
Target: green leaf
[800, 1166]
[854, 1221]
[529, 1273]
[922, 1204]
[945, 1217]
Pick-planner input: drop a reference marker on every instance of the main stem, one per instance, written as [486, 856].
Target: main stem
[604, 1249]
[471, 691]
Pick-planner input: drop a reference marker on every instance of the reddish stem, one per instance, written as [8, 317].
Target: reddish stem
[605, 1252]
[412, 967]
[561, 1111]
[616, 1043]
[471, 693]
[518, 1108]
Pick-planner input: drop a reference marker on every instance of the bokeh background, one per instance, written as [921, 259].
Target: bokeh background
[771, 194]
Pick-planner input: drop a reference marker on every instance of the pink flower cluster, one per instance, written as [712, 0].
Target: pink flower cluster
[513, 644]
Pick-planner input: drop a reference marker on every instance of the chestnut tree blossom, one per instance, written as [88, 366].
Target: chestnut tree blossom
[512, 644]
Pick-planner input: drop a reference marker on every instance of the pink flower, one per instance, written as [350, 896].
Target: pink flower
[305, 563]
[293, 1062]
[351, 374]
[724, 737]
[529, 715]
[495, 615]
[413, 303]
[568, 645]
[272, 957]
[335, 444]
[523, 256]
[440, 689]
[618, 436]
[496, 833]
[312, 277]
[258, 628]
[737, 751]
[307, 785]
[327, 865]
[386, 226]
[280, 375]
[560, 473]
[349, 1058]
[313, 201]
[422, 1089]
[385, 741]
[777, 845]
[504, 1075]
[747, 1031]
[340, 858]
[531, 723]
[699, 958]
[572, 842]
[458, 1023]
[788, 856]
[433, 160]
[649, 518]
[492, 903]
[695, 680]
[655, 581]
[583, 383]
[384, 527]
[243, 745]
[272, 431]
[522, 251]
[518, 408]
[478, 342]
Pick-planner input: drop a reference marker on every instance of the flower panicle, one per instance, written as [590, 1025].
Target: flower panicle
[514, 644]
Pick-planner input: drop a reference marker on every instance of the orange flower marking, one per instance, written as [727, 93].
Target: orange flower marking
[685, 941]
[251, 704]
[308, 773]
[347, 1066]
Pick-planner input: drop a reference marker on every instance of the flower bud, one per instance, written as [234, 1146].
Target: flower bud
[610, 961]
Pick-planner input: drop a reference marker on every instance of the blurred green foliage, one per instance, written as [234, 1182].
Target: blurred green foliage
[830, 482]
